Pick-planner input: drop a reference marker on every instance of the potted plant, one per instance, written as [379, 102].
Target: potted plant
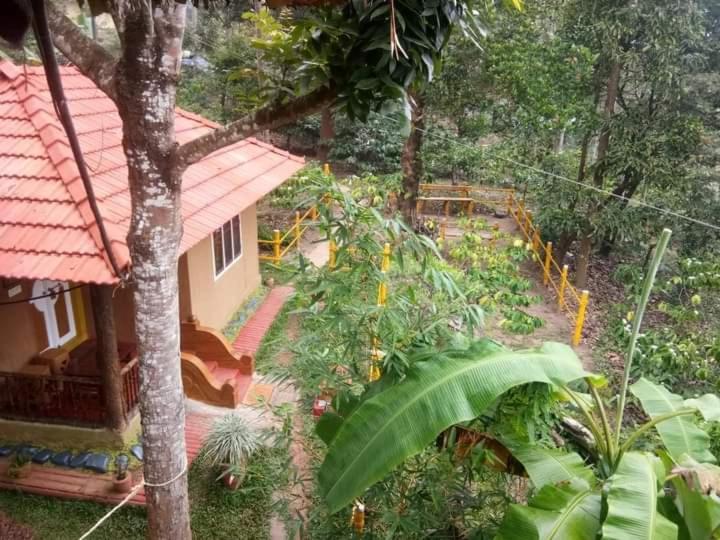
[21, 466]
[228, 446]
[122, 482]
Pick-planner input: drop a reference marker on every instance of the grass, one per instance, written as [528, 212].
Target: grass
[274, 340]
[245, 311]
[216, 512]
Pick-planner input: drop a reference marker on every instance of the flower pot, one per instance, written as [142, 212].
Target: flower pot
[232, 477]
[123, 485]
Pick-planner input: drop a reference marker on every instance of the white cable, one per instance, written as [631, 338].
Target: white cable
[566, 179]
[134, 491]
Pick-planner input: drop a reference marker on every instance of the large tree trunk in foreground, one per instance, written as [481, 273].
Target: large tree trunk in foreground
[411, 162]
[107, 358]
[146, 83]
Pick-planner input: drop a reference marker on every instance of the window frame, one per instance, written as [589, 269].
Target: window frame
[235, 256]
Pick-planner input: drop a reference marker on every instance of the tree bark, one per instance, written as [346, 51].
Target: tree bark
[107, 355]
[411, 162]
[586, 241]
[146, 84]
[327, 133]
[583, 261]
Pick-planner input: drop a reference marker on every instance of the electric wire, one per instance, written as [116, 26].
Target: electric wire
[629, 200]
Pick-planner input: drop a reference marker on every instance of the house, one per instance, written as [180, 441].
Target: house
[67, 354]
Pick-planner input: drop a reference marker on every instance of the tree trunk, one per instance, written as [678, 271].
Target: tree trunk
[583, 261]
[613, 84]
[586, 240]
[563, 245]
[107, 355]
[146, 85]
[327, 133]
[411, 162]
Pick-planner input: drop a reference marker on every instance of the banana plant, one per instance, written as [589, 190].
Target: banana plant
[616, 493]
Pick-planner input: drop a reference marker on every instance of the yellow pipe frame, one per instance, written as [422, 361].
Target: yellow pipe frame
[580, 321]
[548, 258]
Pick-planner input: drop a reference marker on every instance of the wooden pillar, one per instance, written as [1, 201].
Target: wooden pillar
[107, 355]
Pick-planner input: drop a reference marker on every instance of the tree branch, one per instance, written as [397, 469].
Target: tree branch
[94, 61]
[271, 116]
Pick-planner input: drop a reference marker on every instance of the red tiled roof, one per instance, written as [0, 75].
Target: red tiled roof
[47, 230]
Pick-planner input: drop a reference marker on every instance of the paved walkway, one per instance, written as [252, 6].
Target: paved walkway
[253, 331]
[68, 483]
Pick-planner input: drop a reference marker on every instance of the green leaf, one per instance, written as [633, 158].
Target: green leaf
[548, 465]
[632, 503]
[708, 405]
[701, 513]
[327, 426]
[401, 421]
[679, 435]
[570, 511]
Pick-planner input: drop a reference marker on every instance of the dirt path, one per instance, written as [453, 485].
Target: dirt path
[558, 326]
[299, 493]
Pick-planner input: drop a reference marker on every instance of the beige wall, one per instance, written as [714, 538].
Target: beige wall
[22, 330]
[213, 301]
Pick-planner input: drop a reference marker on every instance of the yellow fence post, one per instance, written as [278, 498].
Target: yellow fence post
[548, 259]
[326, 169]
[536, 241]
[443, 229]
[577, 336]
[333, 250]
[563, 284]
[276, 246]
[374, 374]
[314, 213]
[384, 267]
[510, 203]
[386, 258]
[297, 229]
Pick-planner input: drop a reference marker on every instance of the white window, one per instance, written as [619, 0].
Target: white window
[52, 299]
[227, 245]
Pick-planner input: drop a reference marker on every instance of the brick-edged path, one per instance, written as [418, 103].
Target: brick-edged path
[254, 330]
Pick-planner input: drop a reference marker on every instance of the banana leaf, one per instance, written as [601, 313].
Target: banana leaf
[708, 405]
[548, 465]
[402, 420]
[568, 511]
[632, 502]
[679, 435]
[693, 482]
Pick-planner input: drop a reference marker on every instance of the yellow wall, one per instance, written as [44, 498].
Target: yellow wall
[213, 301]
[22, 328]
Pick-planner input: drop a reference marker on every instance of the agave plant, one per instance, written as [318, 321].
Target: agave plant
[616, 493]
[229, 445]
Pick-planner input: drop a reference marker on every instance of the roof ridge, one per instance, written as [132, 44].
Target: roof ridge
[44, 119]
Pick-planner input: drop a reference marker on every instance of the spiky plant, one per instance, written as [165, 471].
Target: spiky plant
[229, 444]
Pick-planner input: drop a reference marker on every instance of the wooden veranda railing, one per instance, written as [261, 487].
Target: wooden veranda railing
[292, 236]
[64, 399]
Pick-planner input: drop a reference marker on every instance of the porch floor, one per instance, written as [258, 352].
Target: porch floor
[71, 484]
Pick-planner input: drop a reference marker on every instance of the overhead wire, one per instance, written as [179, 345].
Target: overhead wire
[629, 200]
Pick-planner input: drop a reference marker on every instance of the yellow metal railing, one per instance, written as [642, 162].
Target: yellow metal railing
[294, 234]
[570, 300]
